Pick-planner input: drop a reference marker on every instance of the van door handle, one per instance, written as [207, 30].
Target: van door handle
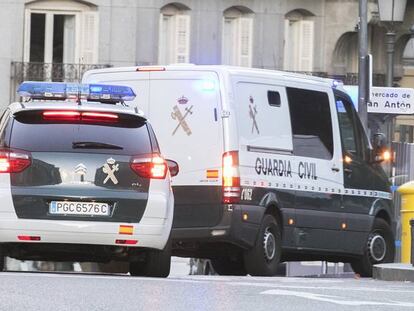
[335, 169]
[347, 170]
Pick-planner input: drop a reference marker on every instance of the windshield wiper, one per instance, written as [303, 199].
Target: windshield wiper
[94, 145]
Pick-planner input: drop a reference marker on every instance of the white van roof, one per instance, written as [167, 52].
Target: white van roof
[224, 69]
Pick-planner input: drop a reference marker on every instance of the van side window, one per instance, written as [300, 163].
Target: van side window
[347, 126]
[311, 123]
[273, 98]
[354, 141]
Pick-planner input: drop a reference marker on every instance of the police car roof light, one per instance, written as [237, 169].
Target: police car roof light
[43, 90]
[62, 91]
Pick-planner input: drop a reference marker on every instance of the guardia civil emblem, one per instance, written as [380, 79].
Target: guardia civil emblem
[110, 168]
[181, 115]
[253, 113]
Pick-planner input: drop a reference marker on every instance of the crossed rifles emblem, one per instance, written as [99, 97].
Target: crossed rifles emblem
[110, 168]
[178, 115]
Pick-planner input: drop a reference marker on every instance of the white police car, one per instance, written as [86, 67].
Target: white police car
[83, 179]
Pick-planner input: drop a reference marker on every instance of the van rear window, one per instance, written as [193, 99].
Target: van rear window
[126, 137]
[311, 123]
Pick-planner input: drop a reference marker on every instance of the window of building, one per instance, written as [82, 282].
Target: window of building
[311, 123]
[174, 36]
[61, 32]
[345, 58]
[299, 41]
[237, 37]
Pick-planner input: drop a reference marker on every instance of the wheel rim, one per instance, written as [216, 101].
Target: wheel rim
[269, 245]
[377, 247]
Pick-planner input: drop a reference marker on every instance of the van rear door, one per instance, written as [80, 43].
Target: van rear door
[185, 113]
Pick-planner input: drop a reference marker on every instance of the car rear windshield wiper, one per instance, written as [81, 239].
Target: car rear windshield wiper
[94, 145]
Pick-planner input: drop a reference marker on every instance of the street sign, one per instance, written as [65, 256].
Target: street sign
[391, 100]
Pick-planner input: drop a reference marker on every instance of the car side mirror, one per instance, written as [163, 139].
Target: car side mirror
[379, 144]
[173, 167]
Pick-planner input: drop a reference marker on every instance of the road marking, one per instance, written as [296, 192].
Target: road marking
[335, 299]
[358, 289]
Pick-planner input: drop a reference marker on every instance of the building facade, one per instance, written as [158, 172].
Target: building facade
[57, 40]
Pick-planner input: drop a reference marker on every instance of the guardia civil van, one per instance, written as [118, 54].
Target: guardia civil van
[275, 167]
[82, 178]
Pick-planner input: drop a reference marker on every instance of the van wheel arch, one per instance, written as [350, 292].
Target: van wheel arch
[382, 214]
[274, 210]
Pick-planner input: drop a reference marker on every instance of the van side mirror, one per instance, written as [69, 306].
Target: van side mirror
[380, 152]
[173, 167]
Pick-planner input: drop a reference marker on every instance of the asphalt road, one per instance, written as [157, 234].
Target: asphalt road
[77, 291]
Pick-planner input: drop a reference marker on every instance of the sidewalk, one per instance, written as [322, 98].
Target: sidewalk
[394, 272]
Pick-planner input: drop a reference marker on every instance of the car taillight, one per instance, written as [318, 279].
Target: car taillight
[85, 116]
[231, 177]
[12, 161]
[150, 167]
[99, 117]
[61, 115]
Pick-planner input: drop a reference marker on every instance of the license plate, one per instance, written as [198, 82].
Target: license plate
[79, 208]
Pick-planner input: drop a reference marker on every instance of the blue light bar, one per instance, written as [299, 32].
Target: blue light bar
[62, 91]
[111, 92]
[42, 90]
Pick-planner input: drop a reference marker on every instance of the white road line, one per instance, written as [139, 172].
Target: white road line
[353, 288]
[335, 299]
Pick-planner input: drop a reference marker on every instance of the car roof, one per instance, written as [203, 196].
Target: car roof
[73, 105]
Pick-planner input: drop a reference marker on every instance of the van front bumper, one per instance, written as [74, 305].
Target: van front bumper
[231, 229]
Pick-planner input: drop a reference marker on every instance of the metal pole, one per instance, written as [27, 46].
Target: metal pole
[362, 73]
[390, 57]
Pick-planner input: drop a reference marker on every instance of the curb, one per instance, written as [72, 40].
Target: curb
[394, 272]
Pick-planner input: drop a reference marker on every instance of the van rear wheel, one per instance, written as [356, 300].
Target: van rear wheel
[263, 259]
[379, 248]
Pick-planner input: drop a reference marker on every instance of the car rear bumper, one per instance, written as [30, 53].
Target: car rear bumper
[149, 233]
[231, 229]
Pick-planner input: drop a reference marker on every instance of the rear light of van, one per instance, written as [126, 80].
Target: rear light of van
[231, 177]
[154, 166]
[14, 161]
[150, 68]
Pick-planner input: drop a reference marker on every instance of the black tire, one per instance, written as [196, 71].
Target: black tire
[229, 266]
[263, 259]
[157, 264]
[375, 252]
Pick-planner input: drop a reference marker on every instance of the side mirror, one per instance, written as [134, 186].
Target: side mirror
[173, 167]
[379, 141]
[380, 151]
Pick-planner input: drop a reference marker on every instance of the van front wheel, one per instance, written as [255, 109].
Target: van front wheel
[379, 248]
[263, 259]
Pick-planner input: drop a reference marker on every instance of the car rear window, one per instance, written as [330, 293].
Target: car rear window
[130, 134]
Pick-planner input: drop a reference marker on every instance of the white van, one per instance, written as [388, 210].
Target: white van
[274, 166]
